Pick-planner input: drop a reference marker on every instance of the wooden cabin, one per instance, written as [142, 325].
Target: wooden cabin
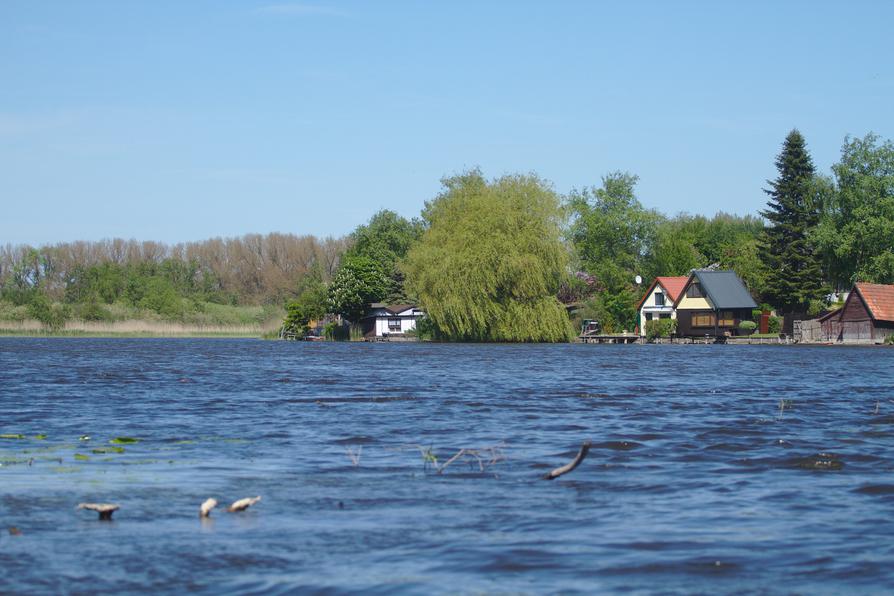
[712, 303]
[658, 301]
[866, 317]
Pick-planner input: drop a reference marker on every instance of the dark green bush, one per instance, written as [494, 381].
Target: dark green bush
[775, 325]
[747, 327]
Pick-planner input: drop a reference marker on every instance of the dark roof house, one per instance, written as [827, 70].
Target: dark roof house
[713, 303]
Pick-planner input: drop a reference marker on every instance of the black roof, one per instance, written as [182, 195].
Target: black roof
[725, 289]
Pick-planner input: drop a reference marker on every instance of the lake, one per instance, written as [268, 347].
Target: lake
[712, 468]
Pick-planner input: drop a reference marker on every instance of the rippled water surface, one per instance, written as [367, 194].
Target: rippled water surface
[713, 468]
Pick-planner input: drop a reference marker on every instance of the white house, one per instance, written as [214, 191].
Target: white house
[658, 301]
[384, 320]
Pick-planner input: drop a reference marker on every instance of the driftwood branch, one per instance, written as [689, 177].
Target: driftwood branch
[206, 507]
[105, 510]
[458, 455]
[243, 504]
[484, 457]
[584, 450]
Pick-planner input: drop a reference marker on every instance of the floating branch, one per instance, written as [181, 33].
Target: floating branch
[584, 449]
[484, 457]
[105, 510]
[243, 504]
[207, 506]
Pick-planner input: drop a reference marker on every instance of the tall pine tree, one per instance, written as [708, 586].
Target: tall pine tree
[794, 274]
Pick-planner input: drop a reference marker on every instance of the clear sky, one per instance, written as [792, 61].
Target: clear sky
[184, 120]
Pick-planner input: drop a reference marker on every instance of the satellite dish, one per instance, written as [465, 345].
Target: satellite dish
[638, 280]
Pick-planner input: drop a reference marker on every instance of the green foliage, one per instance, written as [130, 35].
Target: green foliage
[774, 325]
[386, 239]
[857, 231]
[612, 234]
[747, 327]
[425, 329]
[91, 311]
[816, 307]
[793, 269]
[310, 304]
[491, 261]
[297, 319]
[335, 332]
[660, 328]
[51, 316]
[889, 341]
[11, 312]
[359, 281]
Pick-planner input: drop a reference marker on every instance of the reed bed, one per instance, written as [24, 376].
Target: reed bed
[137, 328]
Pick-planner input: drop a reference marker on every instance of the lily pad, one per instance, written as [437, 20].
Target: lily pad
[40, 437]
[81, 457]
[11, 436]
[124, 440]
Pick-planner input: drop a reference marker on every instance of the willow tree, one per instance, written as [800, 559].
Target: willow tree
[491, 261]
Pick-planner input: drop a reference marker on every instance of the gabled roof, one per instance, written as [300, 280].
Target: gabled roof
[391, 308]
[879, 299]
[723, 288]
[672, 287]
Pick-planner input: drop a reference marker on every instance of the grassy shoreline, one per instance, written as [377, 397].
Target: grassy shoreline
[136, 328]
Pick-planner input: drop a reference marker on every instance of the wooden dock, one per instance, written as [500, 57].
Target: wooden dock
[608, 338]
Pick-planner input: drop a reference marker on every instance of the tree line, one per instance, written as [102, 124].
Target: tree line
[86, 279]
[507, 259]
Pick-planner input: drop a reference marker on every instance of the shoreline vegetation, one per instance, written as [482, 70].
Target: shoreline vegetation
[488, 260]
[137, 328]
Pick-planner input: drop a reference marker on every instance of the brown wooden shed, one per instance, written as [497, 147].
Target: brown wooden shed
[867, 315]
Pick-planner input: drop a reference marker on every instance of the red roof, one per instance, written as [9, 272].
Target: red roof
[672, 286]
[879, 298]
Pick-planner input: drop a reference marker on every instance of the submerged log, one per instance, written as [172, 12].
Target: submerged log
[584, 449]
[206, 507]
[105, 510]
[243, 504]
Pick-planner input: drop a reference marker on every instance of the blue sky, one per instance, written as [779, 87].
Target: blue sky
[184, 120]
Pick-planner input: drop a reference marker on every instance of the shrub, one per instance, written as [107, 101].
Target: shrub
[747, 327]
[660, 328]
[889, 341]
[297, 319]
[52, 316]
[816, 307]
[775, 325]
[91, 311]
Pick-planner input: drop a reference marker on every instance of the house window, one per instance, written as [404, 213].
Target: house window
[664, 315]
[694, 291]
[648, 316]
[659, 298]
[703, 319]
[726, 319]
[394, 325]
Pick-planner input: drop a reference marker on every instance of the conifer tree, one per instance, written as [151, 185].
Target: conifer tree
[794, 274]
